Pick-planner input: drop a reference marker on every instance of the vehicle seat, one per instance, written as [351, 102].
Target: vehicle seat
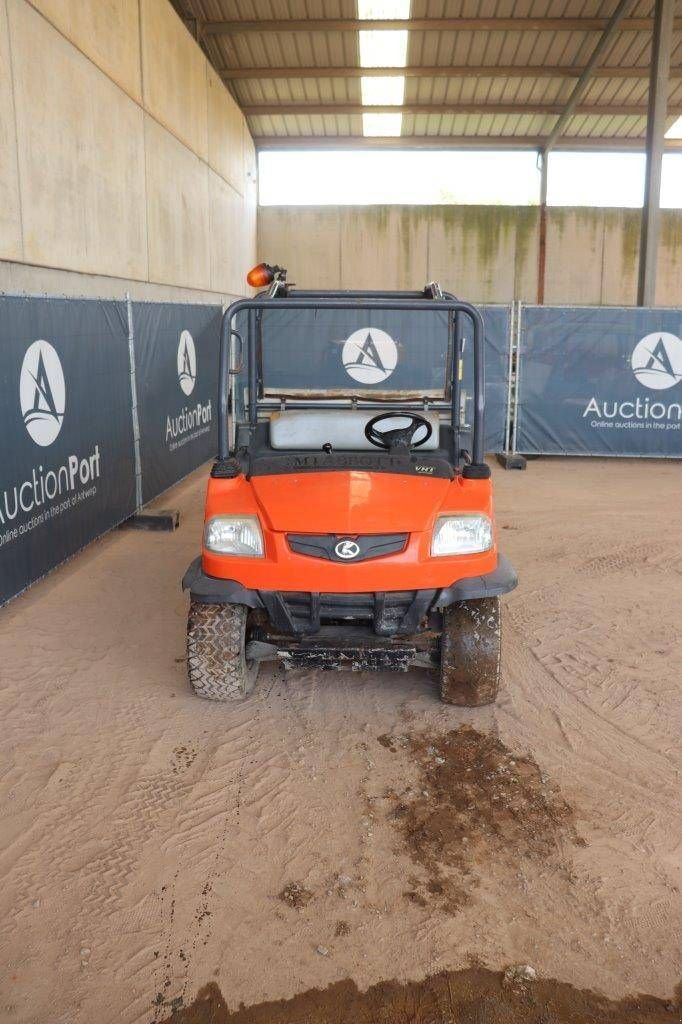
[344, 429]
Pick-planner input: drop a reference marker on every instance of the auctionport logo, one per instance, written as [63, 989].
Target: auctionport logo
[187, 363]
[46, 491]
[657, 361]
[42, 393]
[192, 421]
[369, 355]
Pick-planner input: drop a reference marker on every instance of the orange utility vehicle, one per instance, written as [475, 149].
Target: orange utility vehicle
[349, 515]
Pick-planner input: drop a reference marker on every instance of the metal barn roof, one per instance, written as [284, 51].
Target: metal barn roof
[479, 72]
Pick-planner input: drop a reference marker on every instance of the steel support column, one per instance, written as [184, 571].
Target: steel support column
[655, 132]
[542, 228]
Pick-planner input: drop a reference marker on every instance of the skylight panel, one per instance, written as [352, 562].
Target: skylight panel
[383, 8]
[383, 49]
[382, 124]
[383, 91]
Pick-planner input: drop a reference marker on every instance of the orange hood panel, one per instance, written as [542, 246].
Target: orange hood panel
[349, 502]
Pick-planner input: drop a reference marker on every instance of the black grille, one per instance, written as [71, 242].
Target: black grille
[327, 545]
[399, 611]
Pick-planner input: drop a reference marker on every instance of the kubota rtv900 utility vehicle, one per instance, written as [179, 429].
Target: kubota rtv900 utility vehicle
[349, 517]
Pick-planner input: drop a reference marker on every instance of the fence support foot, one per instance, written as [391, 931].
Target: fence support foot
[511, 460]
[163, 519]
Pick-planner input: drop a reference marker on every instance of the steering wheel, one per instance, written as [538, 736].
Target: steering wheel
[399, 437]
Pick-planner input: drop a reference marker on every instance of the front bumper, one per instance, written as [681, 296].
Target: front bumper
[389, 613]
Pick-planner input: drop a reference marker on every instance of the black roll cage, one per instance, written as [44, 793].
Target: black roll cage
[431, 296]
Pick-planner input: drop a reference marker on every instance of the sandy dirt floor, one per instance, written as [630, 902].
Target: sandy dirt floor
[341, 826]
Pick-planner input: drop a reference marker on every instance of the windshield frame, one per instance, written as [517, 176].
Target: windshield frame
[353, 300]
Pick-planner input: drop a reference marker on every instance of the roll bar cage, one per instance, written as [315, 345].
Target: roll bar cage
[430, 297]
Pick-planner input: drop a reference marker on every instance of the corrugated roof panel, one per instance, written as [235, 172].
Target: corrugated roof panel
[278, 48]
[479, 125]
[614, 126]
[299, 90]
[292, 125]
[675, 94]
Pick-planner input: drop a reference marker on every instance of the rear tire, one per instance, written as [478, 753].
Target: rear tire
[470, 647]
[216, 662]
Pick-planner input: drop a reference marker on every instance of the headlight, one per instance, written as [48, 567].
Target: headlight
[234, 535]
[461, 535]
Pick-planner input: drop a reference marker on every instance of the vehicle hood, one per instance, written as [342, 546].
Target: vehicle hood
[349, 502]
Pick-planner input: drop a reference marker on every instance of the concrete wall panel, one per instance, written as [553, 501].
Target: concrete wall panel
[233, 235]
[306, 240]
[86, 158]
[24, 279]
[486, 254]
[489, 253]
[669, 278]
[225, 133]
[108, 33]
[177, 211]
[10, 211]
[226, 234]
[620, 256]
[385, 248]
[83, 188]
[251, 211]
[174, 75]
[575, 253]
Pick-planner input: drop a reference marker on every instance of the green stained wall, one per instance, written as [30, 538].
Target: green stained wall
[485, 253]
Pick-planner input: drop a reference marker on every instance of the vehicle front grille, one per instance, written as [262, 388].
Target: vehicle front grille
[332, 546]
[388, 613]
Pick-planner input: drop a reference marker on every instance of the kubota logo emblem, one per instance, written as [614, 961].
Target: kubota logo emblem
[370, 355]
[347, 549]
[187, 363]
[42, 393]
[657, 360]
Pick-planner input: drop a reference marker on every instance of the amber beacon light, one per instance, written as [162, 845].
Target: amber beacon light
[261, 275]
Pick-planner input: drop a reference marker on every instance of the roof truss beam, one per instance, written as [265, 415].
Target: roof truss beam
[438, 71]
[224, 28]
[605, 41]
[477, 142]
[307, 109]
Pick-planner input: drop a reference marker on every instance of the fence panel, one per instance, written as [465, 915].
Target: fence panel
[176, 369]
[600, 381]
[497, 321]
[66, 469]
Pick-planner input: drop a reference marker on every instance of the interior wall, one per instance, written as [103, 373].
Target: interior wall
[124, 158]
[486, 254]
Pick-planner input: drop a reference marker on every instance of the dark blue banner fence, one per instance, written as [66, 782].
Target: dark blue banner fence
[105, 404]
[176, 370]
[497, 320]
[600, 381]
[67, 439]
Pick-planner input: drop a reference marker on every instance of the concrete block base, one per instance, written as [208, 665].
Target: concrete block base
[511, 460]
[163, 519]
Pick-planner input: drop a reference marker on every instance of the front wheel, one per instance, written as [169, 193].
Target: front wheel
[470, 647]
[216, 660]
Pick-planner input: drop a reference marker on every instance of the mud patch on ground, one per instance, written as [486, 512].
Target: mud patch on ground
[476, 996]
[295, 895]
[473, 801]
[182, 760]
